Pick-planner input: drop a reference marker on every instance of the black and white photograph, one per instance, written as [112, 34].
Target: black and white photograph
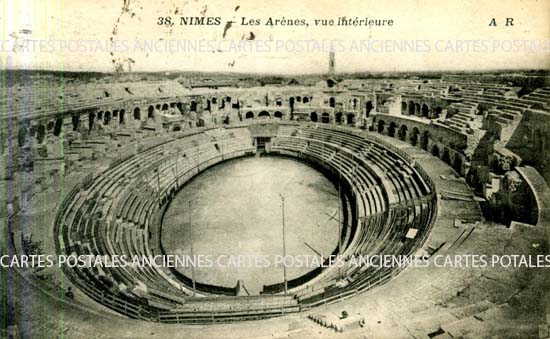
[256, 169]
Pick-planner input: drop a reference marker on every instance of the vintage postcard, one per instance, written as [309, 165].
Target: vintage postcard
[275, 169]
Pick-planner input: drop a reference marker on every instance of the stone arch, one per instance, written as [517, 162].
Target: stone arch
[417, 108]
[435, 151]
[424, 140]
[403, 107]
[193, 106]
[75, 120]
[457, 164]
[381, 125]
[22, 136]
[403, 132]
[57, 127]
[40, 133]
[165, 107]
[100, 115]
[338, 117]
[91, 118]
[332, 102]
[446, 157]
[121, 116]
[350, 119]
[369, 107]
[107, 118]
[411, 107]
[325, 118]
[391, 129]
[313, 117]
[425, 110]
[137, 114]
[264, 114]
[249, 115]
[438, 111]
[151, 112]
[278, 115]
[291, 103]
[305, 100]
[176, 128]
[414, 136]
[299, 98]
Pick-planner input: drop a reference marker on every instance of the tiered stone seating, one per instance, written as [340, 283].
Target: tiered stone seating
[390, 195]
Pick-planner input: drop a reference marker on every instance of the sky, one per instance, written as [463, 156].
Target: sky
[125, 35]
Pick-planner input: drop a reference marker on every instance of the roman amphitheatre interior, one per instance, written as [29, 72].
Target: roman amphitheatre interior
[398, 164]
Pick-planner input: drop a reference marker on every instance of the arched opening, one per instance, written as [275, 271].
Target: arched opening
[264, 114]
[193, 106]
[228, 99]
[214, 100]
[100, 115]
[49, 127]
[338, 117]
[446, 157]
[350, 119]
[403, 132]
[291, 103]
[325, 118]
[179, 106]
[411, 107]
[313, 116]
[414, 136]
[121, 117]
[151, 112]
[115, 113]
[278, 102]
[438, 111]
[75, 119]
[107, 118]
[91, 118]
[22, 136]
[40, 133]
[332, 102]
[369, 107]
[391, 129]
[457, 164]
[417, 109]
[176, 129]
[424, 140]
[381, 125]
[425, 110]
[278, 115]
[299, 98]
[403, 107]
[165, 107]
[57, 127]
[249, 115]
[305, 100]
[226, 120]
[137, 114]
[435, 151]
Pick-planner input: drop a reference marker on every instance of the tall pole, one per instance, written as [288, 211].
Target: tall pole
[284, 244]
[192, 252]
